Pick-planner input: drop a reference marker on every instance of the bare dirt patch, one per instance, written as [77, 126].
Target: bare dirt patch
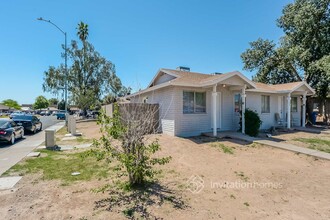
[90, 130]
[298, 186]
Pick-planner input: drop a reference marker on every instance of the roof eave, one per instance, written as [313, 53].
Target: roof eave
[150, 89]
[269, 91]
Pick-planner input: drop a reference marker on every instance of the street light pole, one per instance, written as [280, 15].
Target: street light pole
[66, 77]
[65, 62]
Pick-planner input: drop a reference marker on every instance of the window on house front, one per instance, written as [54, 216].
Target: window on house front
[238, 102]
[265, 104]
[294, 104]
[194, 102]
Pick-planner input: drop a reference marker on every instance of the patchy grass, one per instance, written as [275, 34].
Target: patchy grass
[316, 143]
[254, 145]
[77, 141]
[63, 131]
[224, 148]
[242, 176]
[59, 165]
[82, 140]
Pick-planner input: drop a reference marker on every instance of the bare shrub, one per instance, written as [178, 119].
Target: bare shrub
[124, 138]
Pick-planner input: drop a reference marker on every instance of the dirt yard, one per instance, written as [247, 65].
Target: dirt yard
[89, 130]
[206, 179]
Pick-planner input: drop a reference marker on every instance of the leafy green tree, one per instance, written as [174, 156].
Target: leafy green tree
[89, 77]
[124, 91]
[303, 51]
[61, 105]
[111, 97]
[108, 99]
[271, 63]
[53, 101]
[11, 103]
[40, 102]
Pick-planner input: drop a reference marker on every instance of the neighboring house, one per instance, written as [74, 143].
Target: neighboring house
[320, 106]
[26, 107]
[192, 103]
[4, 108]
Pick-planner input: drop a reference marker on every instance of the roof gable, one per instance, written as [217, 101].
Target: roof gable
[195, 79]
[301, 86]
[232, 78]
[159, 74]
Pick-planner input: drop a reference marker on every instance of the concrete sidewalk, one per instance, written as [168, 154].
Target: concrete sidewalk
[281, 145]
[294, 148]
[10, 155]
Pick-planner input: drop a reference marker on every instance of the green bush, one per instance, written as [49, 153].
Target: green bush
[252, 123]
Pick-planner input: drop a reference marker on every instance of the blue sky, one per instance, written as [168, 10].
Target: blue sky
[138, 36]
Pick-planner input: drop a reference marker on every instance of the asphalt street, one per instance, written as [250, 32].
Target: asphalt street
[11, 154]
[48, 121]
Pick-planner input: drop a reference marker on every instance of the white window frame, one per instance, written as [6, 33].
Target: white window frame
[194, 111]
[239, 102]
[294, 110]
[265, 111]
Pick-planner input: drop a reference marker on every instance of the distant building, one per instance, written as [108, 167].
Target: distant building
[26, 107]
[4, 108]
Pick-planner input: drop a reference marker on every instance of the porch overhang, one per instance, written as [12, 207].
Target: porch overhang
[301, 88]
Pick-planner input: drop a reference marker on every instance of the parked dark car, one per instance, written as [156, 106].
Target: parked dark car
[60, 115]
[93, 114]
[30, 123]
[10, 131]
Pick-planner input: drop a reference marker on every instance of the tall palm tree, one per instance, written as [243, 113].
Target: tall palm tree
[82, 31]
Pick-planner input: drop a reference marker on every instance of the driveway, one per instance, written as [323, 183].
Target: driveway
[11, 154]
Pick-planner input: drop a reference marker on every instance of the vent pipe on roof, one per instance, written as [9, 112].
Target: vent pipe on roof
[183, 68]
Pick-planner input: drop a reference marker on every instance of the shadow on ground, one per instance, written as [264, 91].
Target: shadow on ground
[205, 139]
[4, 144]
[137, 203]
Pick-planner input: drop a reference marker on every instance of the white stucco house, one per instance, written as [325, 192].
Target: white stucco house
[192, 103]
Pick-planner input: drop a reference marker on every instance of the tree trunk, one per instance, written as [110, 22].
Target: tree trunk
[309, 108]
[325, 111]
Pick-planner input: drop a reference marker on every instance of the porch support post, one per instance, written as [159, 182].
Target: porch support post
[243, 109]
[304, 110]
[289, 111]
[214, 103]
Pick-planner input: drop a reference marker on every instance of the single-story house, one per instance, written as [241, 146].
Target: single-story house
[4, 108]
[192, 103]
